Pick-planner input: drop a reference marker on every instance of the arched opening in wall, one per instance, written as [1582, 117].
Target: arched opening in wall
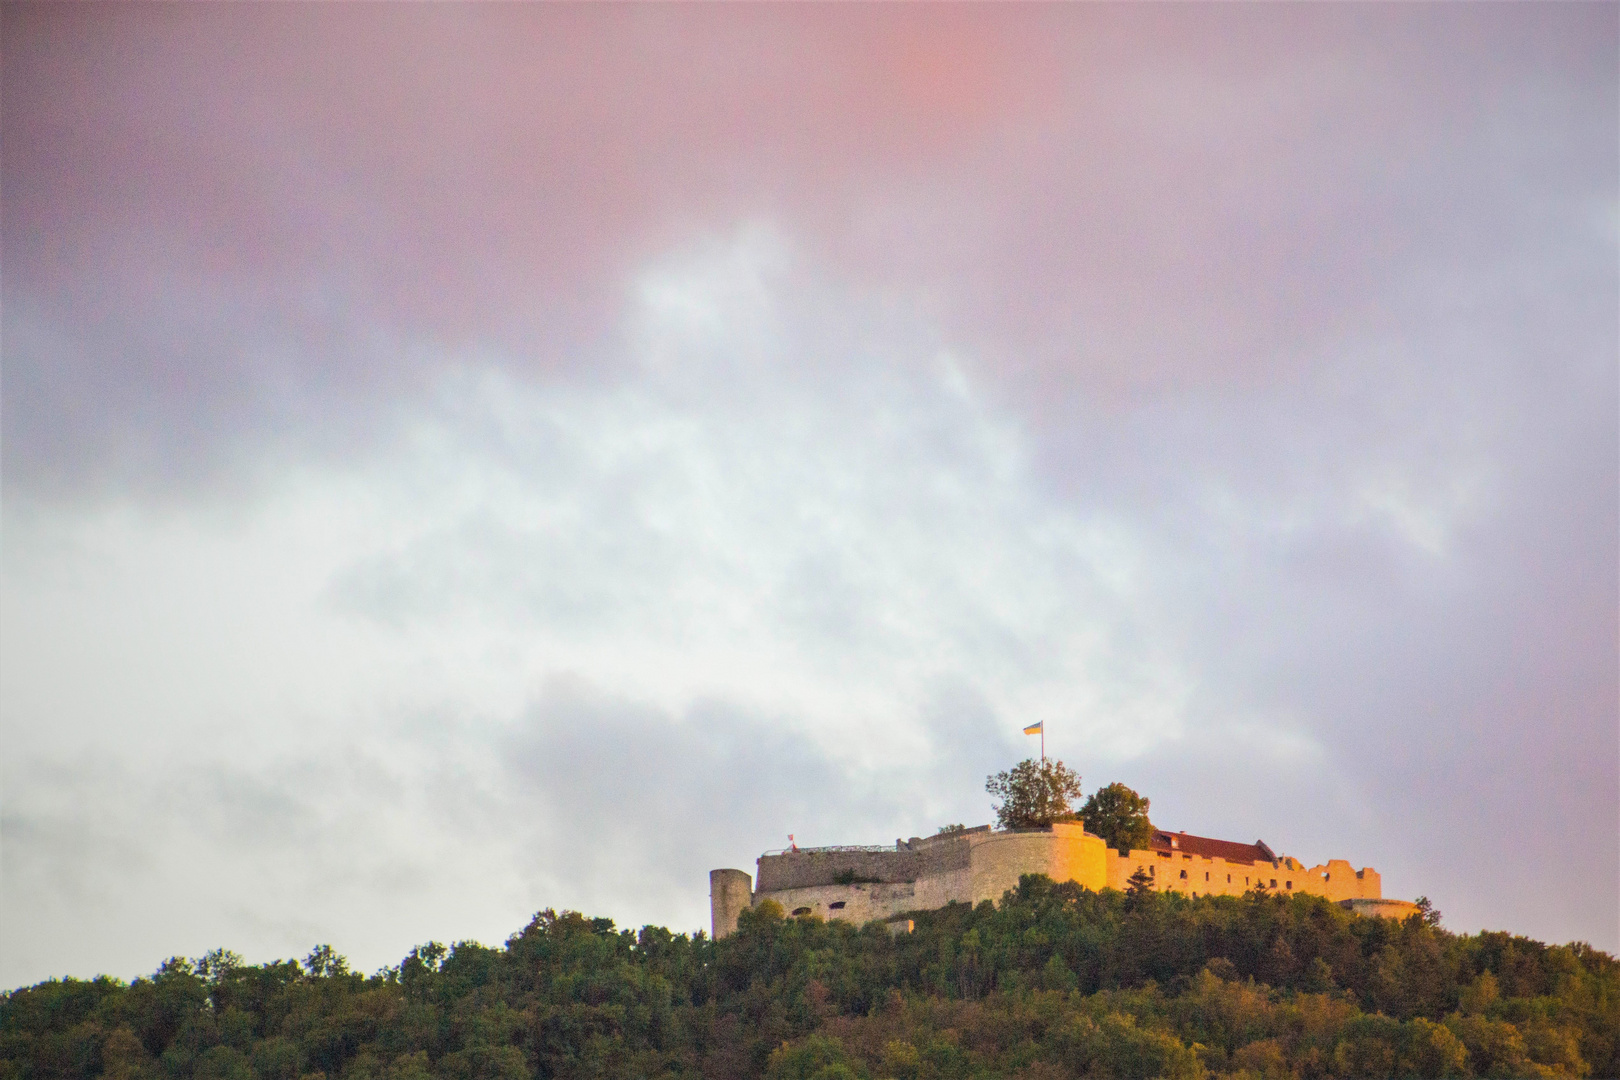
[1184, 875]
[801, 911]
[837, 905]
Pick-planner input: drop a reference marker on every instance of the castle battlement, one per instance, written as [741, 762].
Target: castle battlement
[860, 884]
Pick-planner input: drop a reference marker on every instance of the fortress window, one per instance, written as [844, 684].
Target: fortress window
[801, 911]
[1229, 879]
[1184, 855]
[1153, 871]
[1184, 875]
[1273, 883]
[837, 904]
[1288, 884]
[1206, 875]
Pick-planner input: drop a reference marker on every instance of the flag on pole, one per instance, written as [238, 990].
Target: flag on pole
[1039, 728]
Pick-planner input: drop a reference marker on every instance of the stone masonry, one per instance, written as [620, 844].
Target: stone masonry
[975, 865]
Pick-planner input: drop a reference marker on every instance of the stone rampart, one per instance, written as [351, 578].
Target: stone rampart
[809, 867]
[1062, 852]
[975, 865]
[854, 903]
[1198, 875]
[947, 852]
[1384, 909]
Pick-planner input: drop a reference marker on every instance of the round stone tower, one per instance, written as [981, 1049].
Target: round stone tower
[731, 892]
[1062, 851]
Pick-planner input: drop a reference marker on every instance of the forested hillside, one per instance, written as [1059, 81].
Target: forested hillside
[1056, 982]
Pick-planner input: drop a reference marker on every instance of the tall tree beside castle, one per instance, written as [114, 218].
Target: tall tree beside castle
[1118, 815]
[1034, 794]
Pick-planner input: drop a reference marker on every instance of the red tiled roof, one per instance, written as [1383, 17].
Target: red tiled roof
[1211, 849]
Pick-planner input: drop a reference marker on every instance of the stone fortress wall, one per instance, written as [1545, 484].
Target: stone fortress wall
[862, 884]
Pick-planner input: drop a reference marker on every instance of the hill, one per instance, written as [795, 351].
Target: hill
[1057, 981]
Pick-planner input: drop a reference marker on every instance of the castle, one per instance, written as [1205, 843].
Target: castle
[860, 884]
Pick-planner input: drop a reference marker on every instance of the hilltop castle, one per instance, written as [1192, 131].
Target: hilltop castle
[860, 884]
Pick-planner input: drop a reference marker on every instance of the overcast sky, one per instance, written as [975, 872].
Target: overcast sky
[460, 460]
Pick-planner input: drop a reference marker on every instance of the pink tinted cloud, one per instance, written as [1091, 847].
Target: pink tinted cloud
[1089, 196]
[456, 169]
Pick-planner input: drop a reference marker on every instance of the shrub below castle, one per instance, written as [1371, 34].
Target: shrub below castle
[1057, 982]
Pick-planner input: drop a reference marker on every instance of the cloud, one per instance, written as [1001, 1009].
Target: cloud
[577, 643]
[461, 830]
[238, 229]
[450, 452]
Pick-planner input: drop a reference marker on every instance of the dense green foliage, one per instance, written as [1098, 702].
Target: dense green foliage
[1120, 816]
[1034, 793]
[1058, 981]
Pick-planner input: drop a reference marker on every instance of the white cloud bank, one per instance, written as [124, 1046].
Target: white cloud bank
[789, 568]
[767, 546]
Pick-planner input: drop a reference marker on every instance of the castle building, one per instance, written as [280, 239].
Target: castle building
[860, 884]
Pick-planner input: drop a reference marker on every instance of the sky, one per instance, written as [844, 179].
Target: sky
[462, 460]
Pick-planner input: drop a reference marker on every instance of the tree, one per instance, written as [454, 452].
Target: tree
[1120, 816]
[217, 965]
[1034, 794]
[1138, 890]
[1425, 908]
[324, 960]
